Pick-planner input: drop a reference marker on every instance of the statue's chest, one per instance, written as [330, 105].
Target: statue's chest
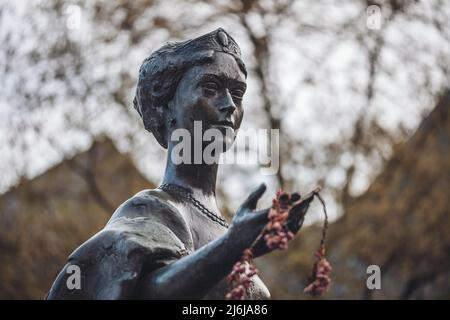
[203, 231]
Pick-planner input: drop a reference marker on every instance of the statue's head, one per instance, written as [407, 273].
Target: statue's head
[202, 79]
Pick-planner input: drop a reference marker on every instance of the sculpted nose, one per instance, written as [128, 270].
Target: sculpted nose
[227, 104]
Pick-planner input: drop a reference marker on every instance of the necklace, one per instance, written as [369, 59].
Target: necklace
[186, 194]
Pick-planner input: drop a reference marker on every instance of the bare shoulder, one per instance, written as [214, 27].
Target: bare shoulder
[144, 233]
[155, 206]
[149, 202]
[146, 220]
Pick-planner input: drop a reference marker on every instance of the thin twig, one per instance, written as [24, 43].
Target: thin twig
[325, 222]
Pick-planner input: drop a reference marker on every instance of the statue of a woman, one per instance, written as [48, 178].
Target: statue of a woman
[172, 242]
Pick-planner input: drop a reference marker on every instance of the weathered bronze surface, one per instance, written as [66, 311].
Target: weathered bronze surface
[169, 243]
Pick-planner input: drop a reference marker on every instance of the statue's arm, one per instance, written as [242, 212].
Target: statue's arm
[119, 263]
[144, 234]
[193, 276]
[100, 269]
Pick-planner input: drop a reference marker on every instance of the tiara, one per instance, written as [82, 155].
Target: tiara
[217, 40]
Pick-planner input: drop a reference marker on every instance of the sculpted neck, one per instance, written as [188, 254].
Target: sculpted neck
[195, 176]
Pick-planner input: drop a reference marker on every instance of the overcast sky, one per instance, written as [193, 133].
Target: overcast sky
[318, 112]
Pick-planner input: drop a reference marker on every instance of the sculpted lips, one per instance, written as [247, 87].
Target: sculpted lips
[225, 123]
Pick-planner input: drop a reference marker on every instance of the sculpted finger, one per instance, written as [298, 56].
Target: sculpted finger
[253, 198]
[297, 214]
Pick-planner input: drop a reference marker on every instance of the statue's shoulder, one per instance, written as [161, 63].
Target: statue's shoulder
[145, 233]
[152, 205]
[148, 202]
[147, 222]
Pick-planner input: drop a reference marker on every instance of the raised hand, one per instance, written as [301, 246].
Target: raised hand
[249, 223]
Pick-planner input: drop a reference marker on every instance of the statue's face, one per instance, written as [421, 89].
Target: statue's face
[211, 93]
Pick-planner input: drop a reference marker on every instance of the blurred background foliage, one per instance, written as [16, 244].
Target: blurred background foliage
[362, 111]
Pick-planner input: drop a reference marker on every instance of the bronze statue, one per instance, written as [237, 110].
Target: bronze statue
[172, 242]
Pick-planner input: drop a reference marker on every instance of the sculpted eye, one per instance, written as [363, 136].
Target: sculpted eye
[210, 87]
[237, 95]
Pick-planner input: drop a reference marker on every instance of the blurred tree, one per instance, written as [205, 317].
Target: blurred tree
[400, 224]
[340, 92]
[44, 219]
